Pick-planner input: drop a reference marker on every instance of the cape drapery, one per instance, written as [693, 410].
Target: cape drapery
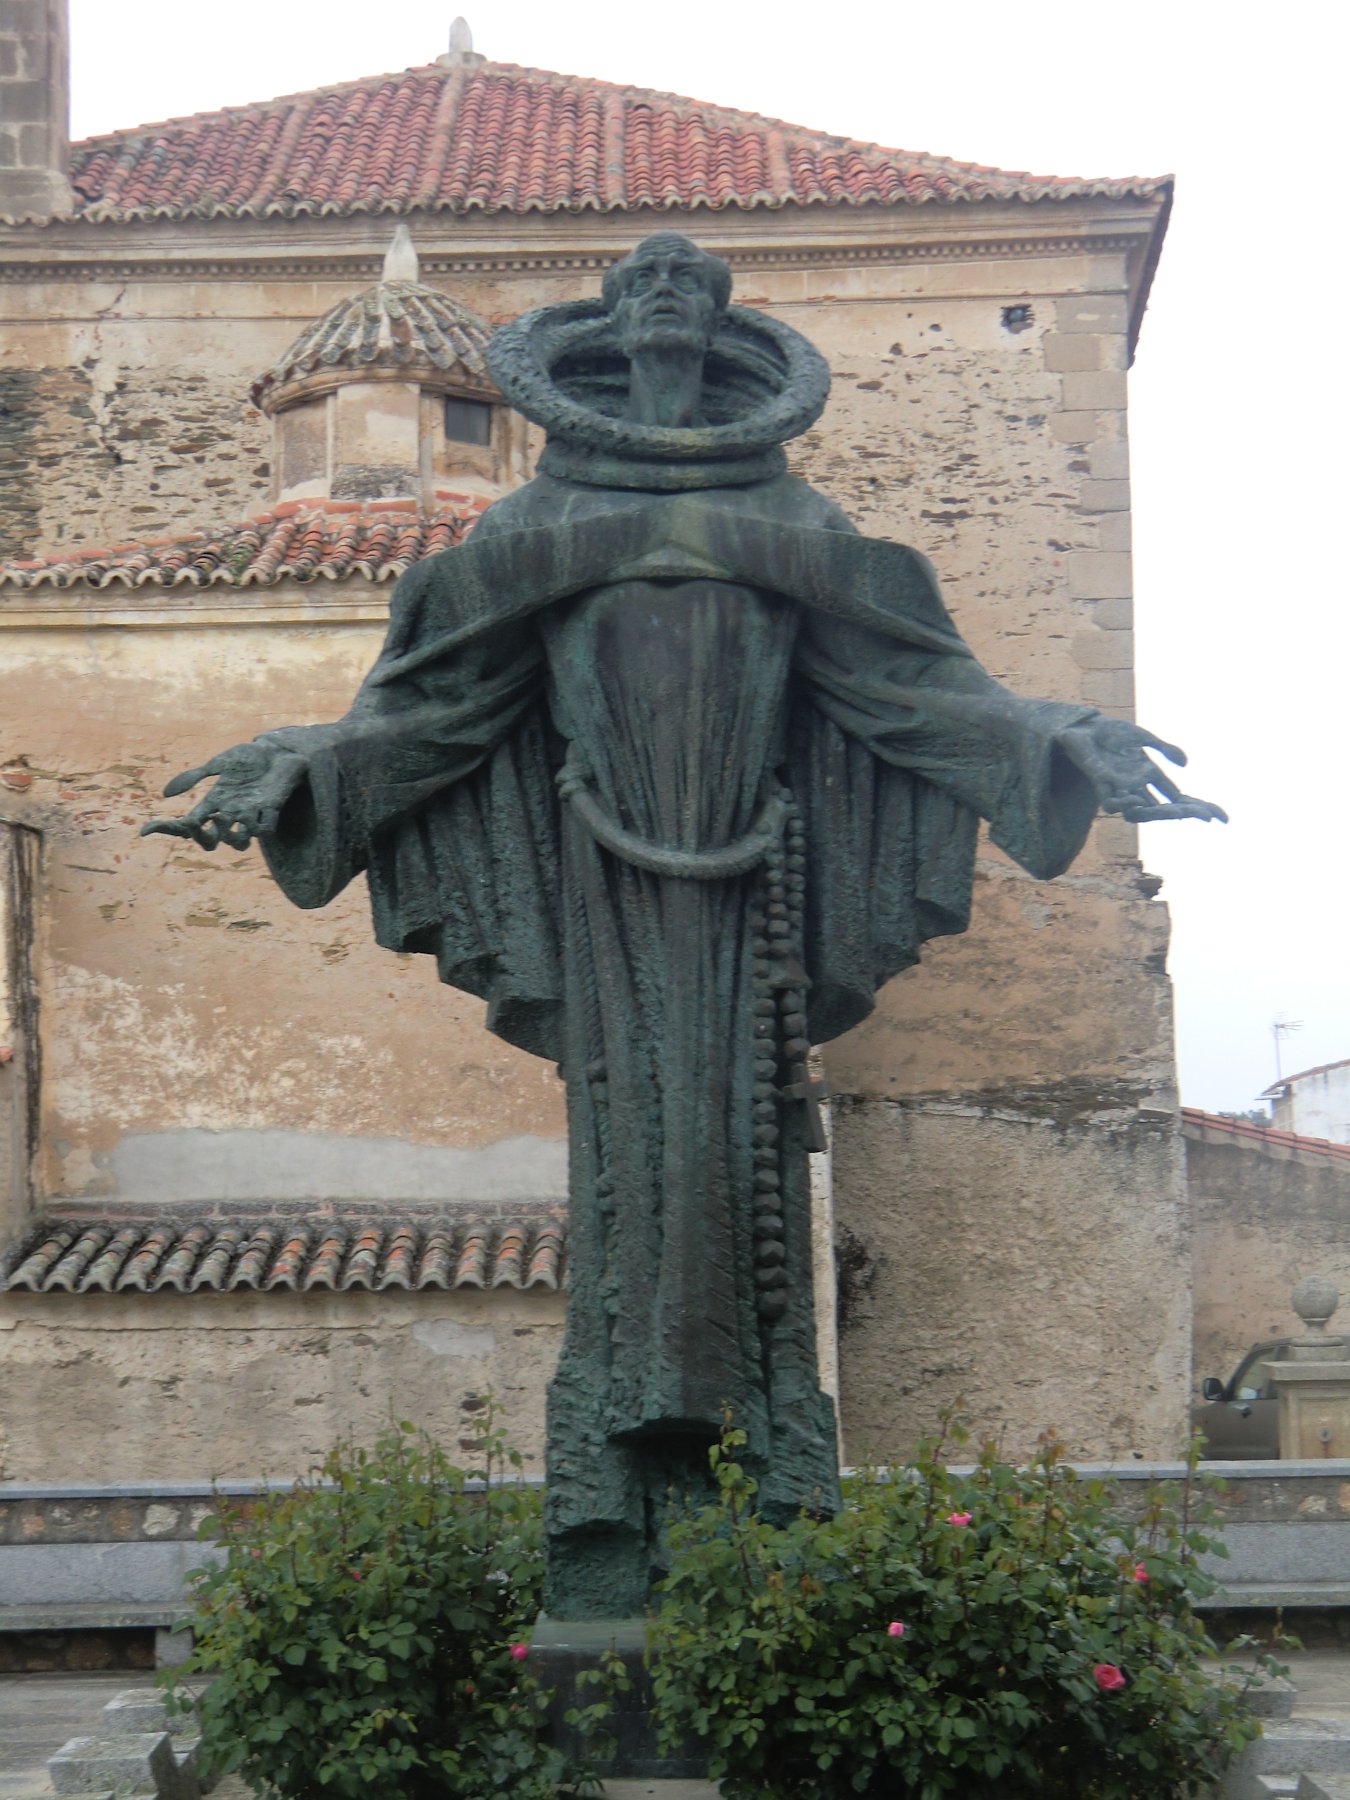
[439, 782]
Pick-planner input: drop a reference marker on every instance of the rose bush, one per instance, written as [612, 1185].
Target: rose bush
[366, 1633]
[995, 1634]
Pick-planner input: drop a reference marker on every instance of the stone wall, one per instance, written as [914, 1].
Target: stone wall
[1263, 1218]
[20, 1055]
[1022, 1257]
[165, 1388]
[977, 413]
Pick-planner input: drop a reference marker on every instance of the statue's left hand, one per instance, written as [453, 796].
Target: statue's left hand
[254, 782]
[1112, 754]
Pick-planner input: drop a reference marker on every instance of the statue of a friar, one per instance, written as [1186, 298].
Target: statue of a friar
[675, 770]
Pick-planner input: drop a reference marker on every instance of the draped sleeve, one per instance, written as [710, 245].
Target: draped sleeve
[898, 752]
[439, 785]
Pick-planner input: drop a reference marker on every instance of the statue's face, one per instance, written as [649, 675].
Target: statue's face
[667, 303]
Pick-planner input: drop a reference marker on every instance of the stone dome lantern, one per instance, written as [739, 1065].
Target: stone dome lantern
[387, 396]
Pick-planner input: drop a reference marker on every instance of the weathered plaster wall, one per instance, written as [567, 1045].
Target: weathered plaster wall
[1025, 1257]
[117, 1388]
[1316, 1104]
[181, 990]
[1263, 1219]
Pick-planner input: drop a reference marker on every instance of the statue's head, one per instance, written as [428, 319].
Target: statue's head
[667, 294]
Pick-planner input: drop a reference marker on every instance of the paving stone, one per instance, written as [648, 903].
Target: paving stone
[1286, 1747]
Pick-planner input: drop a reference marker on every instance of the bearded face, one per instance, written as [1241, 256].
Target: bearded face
[668, 300]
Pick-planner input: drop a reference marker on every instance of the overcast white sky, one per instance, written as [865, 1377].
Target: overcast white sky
[1238, 405]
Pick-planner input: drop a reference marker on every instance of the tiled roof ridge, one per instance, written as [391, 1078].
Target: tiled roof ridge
[79, 1255]
[709, 109]
[1263, 1136]
[295, 540]
[502, 137]
[1303, 1074]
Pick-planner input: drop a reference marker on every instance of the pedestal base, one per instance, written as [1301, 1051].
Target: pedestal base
[560, 1652]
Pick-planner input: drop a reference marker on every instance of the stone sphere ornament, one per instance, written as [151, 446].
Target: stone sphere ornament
[1315, 1299]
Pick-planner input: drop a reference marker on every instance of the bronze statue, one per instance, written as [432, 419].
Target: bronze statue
[674, 769]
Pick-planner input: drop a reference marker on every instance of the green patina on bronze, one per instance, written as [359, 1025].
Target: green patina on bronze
[674, 769]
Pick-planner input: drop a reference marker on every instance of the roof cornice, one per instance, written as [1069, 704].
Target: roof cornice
[500, 246]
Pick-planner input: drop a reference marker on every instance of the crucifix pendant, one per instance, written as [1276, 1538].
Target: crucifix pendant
[810, 1092]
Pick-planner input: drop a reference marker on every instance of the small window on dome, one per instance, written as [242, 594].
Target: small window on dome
[468, 421]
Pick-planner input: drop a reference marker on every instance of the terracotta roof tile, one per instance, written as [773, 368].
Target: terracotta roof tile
[297, 541]
[80, 1256]
[498, 138]
[394, 326]
[1195, 1123]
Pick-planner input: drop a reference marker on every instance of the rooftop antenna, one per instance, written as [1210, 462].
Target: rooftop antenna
[461, 54]
[1279, 1029]
[400, 261]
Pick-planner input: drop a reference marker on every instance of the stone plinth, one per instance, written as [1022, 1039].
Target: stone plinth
[1314, 1400]
[561, 1653]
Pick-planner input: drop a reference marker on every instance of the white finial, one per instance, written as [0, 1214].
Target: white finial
[400, 262]
[461, 54]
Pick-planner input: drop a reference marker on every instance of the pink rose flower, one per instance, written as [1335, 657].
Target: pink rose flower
[519, 1652]
[895, 1629]
[1140, 1572]
[1108, 1677]
[959, 1518]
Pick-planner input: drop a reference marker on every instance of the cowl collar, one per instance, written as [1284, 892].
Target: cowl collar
[562, 367]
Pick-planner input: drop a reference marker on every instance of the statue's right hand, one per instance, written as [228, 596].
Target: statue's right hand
[255, 782]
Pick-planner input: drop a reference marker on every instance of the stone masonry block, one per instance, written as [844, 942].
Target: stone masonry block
[1105, 496]
[1111, 689]
[1103, 389]
[1065, 351]
[26, 101]
[26, 16]
[1116, 838]
[172, 1647]
[1100, 575]
[1110, 462]
[135, 1710]
[35, 142]
[1097, 313]
[141, 1760]
[1103, 649]
[1078, 427]
[1113, 531]
[10, 49]
[1113, 615]
[9, 149]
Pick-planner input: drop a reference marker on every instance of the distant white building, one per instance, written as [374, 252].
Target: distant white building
[1315, 1103]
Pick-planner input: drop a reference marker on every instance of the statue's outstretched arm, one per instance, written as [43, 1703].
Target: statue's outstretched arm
[1113, 754]
[254, 782]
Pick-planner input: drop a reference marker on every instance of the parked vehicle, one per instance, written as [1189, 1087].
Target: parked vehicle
[1240, 1417]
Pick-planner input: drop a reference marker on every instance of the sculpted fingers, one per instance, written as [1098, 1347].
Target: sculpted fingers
[188, 779]
[1173, 752]
[1183, 808]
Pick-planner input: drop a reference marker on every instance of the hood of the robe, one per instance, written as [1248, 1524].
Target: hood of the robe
[563, 368]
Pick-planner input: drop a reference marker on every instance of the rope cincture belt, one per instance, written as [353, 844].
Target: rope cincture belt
[738, 858]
